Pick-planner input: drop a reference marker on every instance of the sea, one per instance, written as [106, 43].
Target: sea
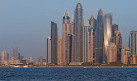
[68, 74]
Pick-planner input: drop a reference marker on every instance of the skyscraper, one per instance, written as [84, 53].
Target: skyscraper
[4, 57]
[117, 39]
[73, 41]
[54, 35]
[93, 25]
[16, 54]
[66, 30]
[107, 35]
[99, 37]
[69, 38]
[78, 24]
[133, 42]
[125, 53]
[49, 50]
[114, 28]
[111, 53]
[118, 43]
[60, 51]
[85, 42]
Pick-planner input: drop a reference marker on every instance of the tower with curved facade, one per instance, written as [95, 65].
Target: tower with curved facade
[107, 36]
[78, 24]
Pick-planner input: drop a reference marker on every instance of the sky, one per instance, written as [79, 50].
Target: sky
[25, 24]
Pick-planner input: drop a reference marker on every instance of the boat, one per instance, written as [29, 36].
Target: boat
[25, 66]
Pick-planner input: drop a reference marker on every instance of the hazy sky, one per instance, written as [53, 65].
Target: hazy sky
[25, 24]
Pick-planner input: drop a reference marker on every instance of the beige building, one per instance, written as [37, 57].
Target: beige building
[118, 42]
[4, 57]
[112, 53]
[133, 59]
[68, 39]
[87, 43]
[125, 53]
[13, 61]
[59, 51]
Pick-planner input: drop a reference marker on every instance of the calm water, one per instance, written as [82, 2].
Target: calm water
[68, 74]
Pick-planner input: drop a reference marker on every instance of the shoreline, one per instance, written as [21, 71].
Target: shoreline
[75, 66]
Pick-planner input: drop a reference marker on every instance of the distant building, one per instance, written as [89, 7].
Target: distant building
[107, 36]
[54, 35]
[4, 57]
[78, 24]
[133, 42]
[14, 61]
[114, 28]
[60, 51]
[41, 59]
[16, 54]
[49, 50]
[133, 59]
[73, 41]
[125, 54]
[66, 29]
[99, 37]
[69, 55]
[118, 43]
[87, 43]
[112, 53]
[117, 39]
[93, 25]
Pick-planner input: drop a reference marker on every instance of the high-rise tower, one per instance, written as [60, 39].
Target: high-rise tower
[107, 35]
[59, 52]
[93, 25]
[49, 50]
[4, 57]
[78, 24]
[66, 30]
[99, 37]
[54, 35]
[16, 54]
[133, 42]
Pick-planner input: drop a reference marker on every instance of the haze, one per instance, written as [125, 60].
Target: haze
[25, 24]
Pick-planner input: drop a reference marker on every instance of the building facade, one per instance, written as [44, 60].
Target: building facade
[78, 24]
[87, 43]
[66, 29]
[16, 54]
[54, 35]
[49, 50]
[111, 53]
[125, 54]
[133, 42]
[118, 43]
[99, 37]
[60, 51]
[93, 25]
[4, 57]
[107, 36]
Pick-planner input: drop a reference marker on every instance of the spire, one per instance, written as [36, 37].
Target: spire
[66, 13]
[79, 5]
[92, 17]
[100, 12]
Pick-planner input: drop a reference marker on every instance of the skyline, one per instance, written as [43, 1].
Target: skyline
[35, 42]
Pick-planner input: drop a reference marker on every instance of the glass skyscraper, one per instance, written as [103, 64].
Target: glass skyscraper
[78, 24]
[54, 35]
[107, 35]
[99, 37]
[133, 42]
